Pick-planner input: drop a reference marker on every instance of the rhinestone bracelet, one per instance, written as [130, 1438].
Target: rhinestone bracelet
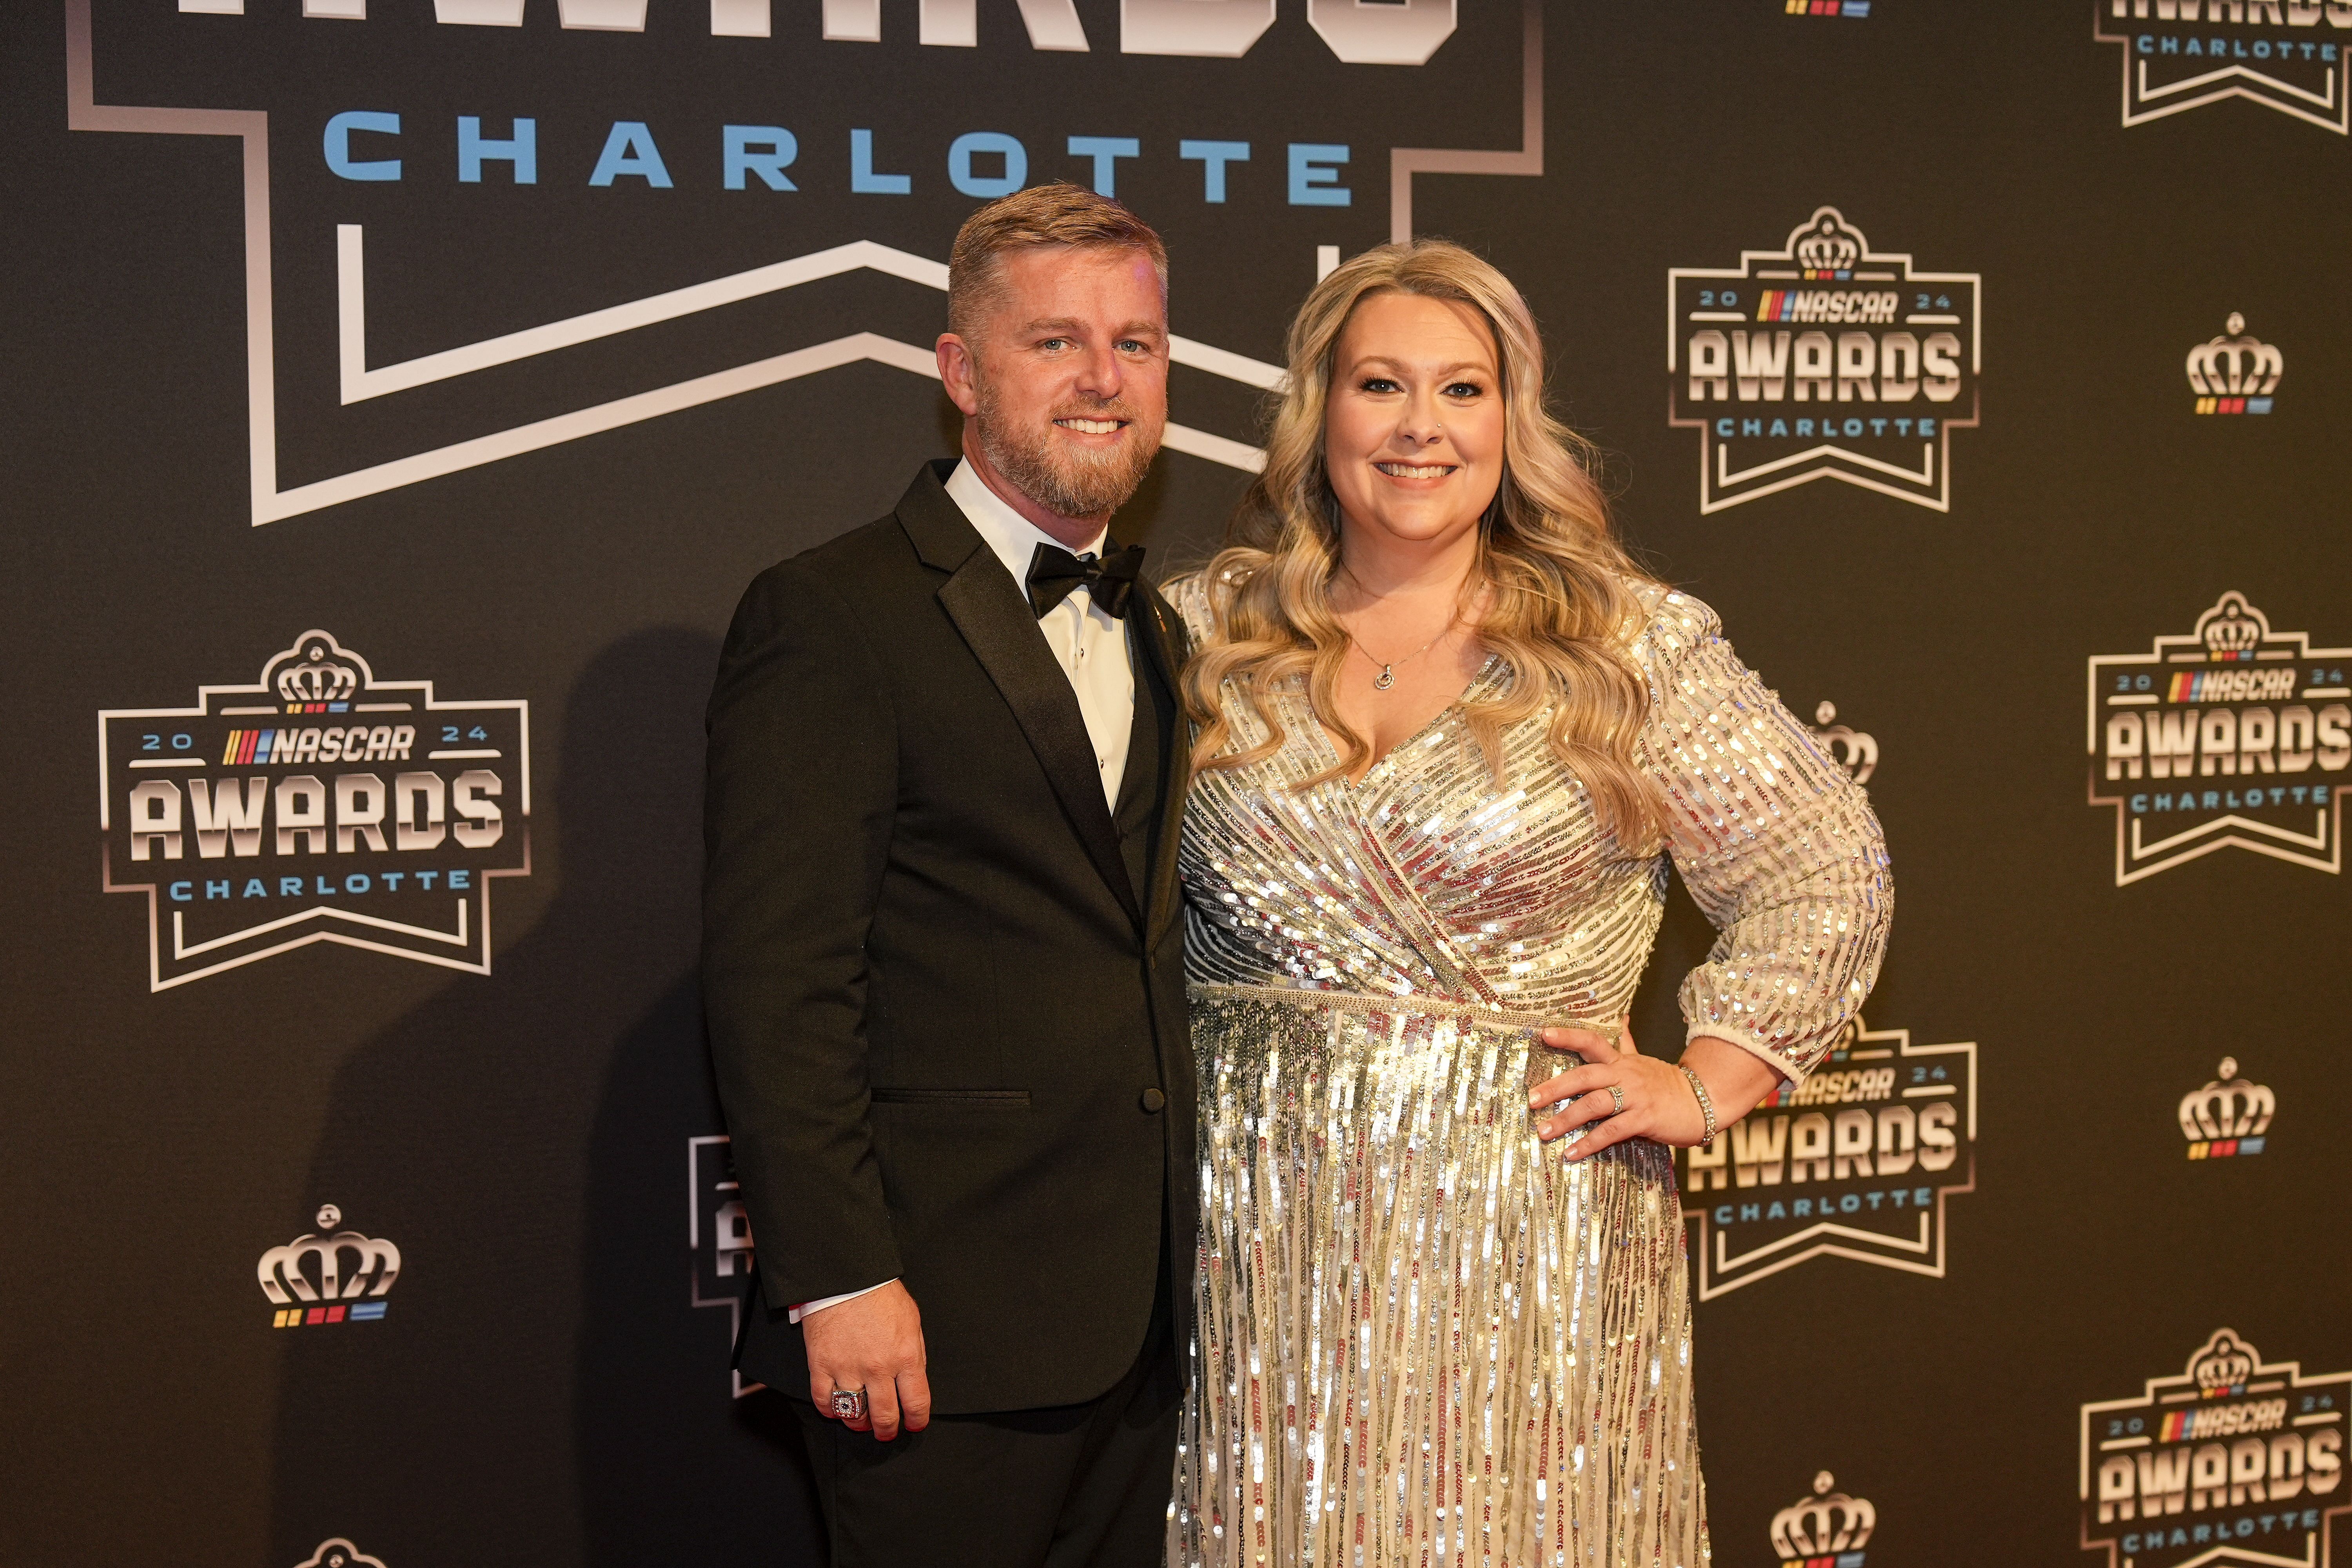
[1706, 1105]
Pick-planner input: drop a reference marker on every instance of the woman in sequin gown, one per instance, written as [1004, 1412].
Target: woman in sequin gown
[1425, 1336]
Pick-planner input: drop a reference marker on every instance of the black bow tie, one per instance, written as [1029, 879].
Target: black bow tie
[1054, 572]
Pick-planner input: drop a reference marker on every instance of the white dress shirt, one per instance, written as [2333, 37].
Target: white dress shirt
[1089, 645]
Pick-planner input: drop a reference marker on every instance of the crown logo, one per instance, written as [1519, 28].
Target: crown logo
[1827, 243]
[2235, 365]
[1826, 1521]
[2224, 1363]
[317, 679]
[317, 668]
[316, 1280]
[337, 1553]
[2234, 626]
[1850, 749]
[2228, 1107]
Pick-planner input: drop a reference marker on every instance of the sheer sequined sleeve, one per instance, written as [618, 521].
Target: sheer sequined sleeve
[1776, 843]
[1189, 597]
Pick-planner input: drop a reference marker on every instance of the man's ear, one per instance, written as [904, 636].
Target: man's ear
[959, 372]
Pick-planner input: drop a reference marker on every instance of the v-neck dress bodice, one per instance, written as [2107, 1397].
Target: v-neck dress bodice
[1424, 1338]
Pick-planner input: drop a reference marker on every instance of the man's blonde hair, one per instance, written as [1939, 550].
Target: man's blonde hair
[1058, 214]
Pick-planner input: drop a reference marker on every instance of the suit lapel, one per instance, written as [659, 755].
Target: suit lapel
[997, 626]
[1157, 630]
[1146, 733]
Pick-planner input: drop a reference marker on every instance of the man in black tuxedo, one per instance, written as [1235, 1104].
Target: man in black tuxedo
[941, 956]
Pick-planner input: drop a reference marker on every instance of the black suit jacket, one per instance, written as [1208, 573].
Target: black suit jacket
[944, 979]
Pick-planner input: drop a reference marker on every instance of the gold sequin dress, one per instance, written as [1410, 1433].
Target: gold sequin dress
[1424, 1339]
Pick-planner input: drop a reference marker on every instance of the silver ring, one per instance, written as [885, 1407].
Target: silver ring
[1616, 1104]
[848, 1404]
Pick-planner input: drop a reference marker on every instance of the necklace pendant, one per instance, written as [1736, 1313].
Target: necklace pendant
[1385, 678]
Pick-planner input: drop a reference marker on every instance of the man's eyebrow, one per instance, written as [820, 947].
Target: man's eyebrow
[1075, 327]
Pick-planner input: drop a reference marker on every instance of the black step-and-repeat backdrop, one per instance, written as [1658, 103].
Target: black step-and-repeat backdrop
[398, 393]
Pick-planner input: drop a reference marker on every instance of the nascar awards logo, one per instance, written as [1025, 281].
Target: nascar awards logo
[2227, 1117]
[1856, 1163]
[318, 804]
[1848, 748]
[1823, 359]
[315, 1280]
[1827, 1529]
[2230, 734]
[719, 1230]
[2234, 373]
[2229, 1464]
[376, 147]
[2180, 54]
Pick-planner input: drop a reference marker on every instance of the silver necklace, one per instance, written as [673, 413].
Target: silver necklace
[1387, 676]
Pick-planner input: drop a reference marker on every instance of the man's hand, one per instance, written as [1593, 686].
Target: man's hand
[874, 1342]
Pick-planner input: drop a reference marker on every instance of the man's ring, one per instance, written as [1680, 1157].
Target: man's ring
[848, 1404]
[1617, 1108]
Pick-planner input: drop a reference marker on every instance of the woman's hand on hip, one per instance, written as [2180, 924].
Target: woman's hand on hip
[1659, 1103]
[1657, 1099]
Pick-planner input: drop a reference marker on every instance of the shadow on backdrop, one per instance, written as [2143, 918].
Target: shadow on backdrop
[542, 1390]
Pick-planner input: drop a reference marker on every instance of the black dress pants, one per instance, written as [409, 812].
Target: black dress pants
[1077, 1485]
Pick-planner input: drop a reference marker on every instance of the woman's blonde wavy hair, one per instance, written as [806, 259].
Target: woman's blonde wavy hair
[1561, 594]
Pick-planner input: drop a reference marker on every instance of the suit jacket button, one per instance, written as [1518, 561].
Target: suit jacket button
[1153, 1100]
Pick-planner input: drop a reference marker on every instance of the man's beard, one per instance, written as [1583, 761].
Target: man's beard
[1064, 477]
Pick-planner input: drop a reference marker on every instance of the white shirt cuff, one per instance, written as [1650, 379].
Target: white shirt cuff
[796, 1313]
